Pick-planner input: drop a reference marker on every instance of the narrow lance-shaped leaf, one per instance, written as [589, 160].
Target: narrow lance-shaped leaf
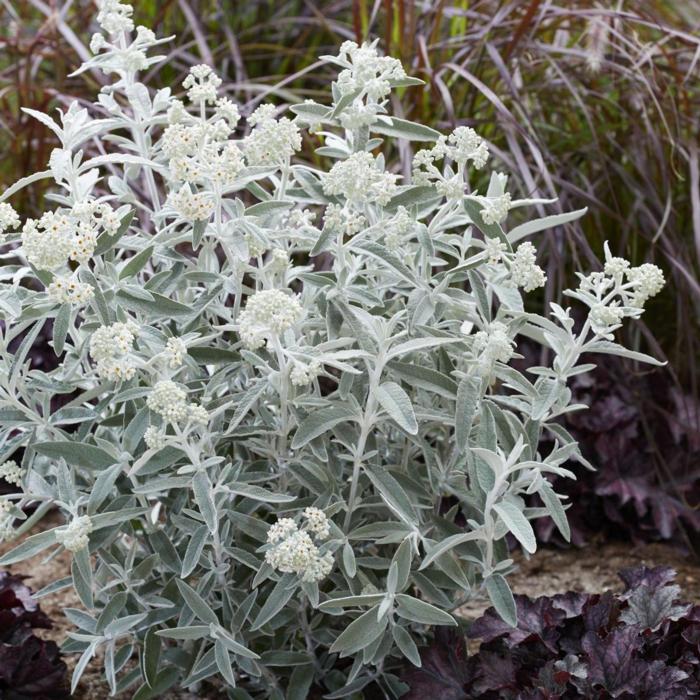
[396, 402]
[518, 524]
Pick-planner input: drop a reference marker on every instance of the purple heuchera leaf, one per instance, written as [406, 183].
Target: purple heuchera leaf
[30, 668]
[19, 612]
[628, 498]
[643, 644]
[444, 672]
[611, 661]
[651, 607]
[643, 576]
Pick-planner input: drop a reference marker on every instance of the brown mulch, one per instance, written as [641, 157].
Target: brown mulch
[591, 569]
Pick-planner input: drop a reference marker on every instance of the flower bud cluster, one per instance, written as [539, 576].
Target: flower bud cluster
[279, 260]
[495, 209]
[398, 228]
[604, 318]
[647, 281]
[303, 374]
[462, 146]
[169, 400]
[524, 271]
[342, 220]
[201, 84]
[358, 178]
[47, 242]
[114, 17]
[122, 57]
[6, 520]
[293, 549]
[494, 248]
[618, 291]
[50, 241]
[366, 71]
[199, 150]
[70, 290]
[267, 313]
[155, 438]
[75, 536]
[9, 220]
[272, 141]
[191, 206]
[11, 472]
[175, 351]
[111, 347]
[493, 345]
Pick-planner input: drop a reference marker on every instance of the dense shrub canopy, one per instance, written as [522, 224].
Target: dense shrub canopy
[283, 431]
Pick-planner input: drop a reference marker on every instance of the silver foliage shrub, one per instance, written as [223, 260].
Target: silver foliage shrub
[284, 434]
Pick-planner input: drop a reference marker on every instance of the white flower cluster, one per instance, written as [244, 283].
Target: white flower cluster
[114, 17]
[155, 438]
[366, 71]
[493, 345]
[199, 149]
[9, 220]
[398, 227]
[294, 550]
[70, 290]
[495, 209]
[191, 206]
[256, 246]
[175, 351]
[524, 270]
[298, 219]
[647, 281]
[272, 141]
[358, 178]
[618, 291]
[111, 347]
[201, 84]
[494, 248]
[121, 56]
[267, 313]
[49, 242]
[75, 536]
[604, 318]
[6, 520]
[169, 400]
[303, 374]
[342, 220]
[461, 146]
[11, 472]
[317, 522]
[279, 260]
[464, 145]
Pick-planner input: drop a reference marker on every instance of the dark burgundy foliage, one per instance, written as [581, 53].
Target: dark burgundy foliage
[30, 668]
[643, 436]
[642, 644]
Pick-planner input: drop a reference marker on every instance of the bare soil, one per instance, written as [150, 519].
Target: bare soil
[591, 569]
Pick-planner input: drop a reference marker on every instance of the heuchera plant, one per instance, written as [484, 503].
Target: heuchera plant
[274, 375]
[642, 643]
[29, 667]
